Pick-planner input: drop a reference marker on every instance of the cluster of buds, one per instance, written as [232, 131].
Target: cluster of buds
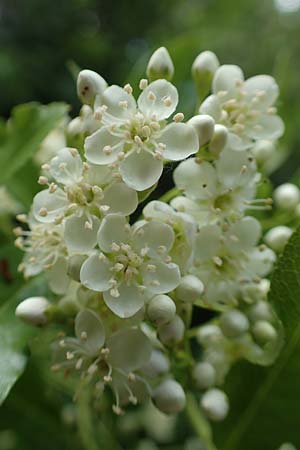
[131, 285]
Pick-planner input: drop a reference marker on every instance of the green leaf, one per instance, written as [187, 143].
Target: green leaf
[24, 132]
[265, 401]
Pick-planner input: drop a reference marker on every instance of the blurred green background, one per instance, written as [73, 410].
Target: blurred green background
[41, 44]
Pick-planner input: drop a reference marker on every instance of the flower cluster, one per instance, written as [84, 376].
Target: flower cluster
[130, 272]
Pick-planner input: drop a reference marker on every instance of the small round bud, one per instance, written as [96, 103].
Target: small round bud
[263, 150]
[204, 125]
[219, 139]
[169, 397]
[203, 70]
[160, 65]
[208, 334]
[264, 332]
[204, 375]
[172, 332]
[157, 365]
[234, 323]
[161, 309]
[32, 310]
[260, 311]
[277, 237]
[189, 289]
[286, 196]
[89, 84]
[287, 446]
[215, 404]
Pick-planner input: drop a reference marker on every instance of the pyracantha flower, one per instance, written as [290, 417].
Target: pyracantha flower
[135, 135]
[133, 264]
[244, 107]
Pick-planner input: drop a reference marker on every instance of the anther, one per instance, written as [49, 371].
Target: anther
[127, 88]
[43, 180]
[43, 212]
[143, 84]
[178, 117]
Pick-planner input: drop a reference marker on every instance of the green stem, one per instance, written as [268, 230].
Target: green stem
[169, 195]
[199, 423]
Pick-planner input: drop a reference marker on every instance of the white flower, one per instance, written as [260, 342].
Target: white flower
[86, 123]
[244, 107]
[184, 228]
[132, 264]
[136, 136]
[215, 192]
[103, 357]
[82, 195]
[227, 261]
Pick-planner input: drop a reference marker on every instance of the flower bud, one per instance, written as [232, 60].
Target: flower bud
[161, 309]
[215, 404]
[32, 310]
[157, 365]
[263, 150]
[204, 126]
[169, 397]
[204, 375]
[208, 334]
[219, 140]
[260, 311]
[89, 84]
[233, 323]
[160, 65]
[277, 237]
[189, 289]
[264, 332]
[286, 196]
[203, 70]
[172, 332]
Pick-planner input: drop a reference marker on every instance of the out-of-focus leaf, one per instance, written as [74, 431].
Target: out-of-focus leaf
[265, 401]
[10, 279]
[19, 140]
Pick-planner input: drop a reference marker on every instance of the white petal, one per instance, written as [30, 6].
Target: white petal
[198, 181]
[141, 170]
[120, 198]
[208, 242]
[55, 204]
[112, 97]
[247, 231]
[180, 140]
[154, 235]
[95, 273]
[66, 167]
[226, 79]
[165, 278]
[158, 210]
[236, 142]
[235, 168]
[95, 147]
[87, 322]
[129, 349]
[261, 261]
[268, 126]
[78, 237]
[99, 175]
[57, 277]
[114, 228]
[212, 107]
[262, 84]
[164, 102]
[129, 302]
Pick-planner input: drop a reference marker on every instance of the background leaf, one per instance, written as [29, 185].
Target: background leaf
[265, 401]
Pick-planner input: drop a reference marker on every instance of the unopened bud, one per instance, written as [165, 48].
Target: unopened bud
[189, 289]
[161, 309]
[203, 70]
[208, 334]
[263, 150]
[286, 196]
[215, 404]
[89, 84]
[264, 332]
[234, 323]
[219, 139]
[169, 397]
[32, 310]
[157, 365]
[260, 311]
[172, 332]
[204, 375]
[160, 65]
[204, 126]
[277, 237]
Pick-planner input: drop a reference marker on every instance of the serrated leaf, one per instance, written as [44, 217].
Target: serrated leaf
[26, 129]
[265, 401]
